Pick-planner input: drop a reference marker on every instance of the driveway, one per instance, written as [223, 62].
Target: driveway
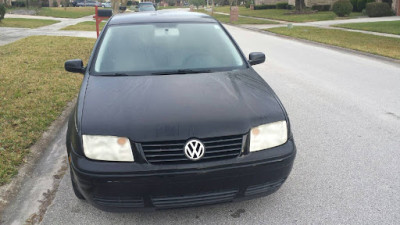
[345, 114]
[11, 34]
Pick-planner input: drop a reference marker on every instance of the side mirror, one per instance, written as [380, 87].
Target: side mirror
[256, 58]
[74, 66]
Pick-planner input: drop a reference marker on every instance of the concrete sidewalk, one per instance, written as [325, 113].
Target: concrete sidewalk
[11, 34]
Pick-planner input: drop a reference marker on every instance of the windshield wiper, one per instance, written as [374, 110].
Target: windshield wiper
[182, 71]
[114, 74]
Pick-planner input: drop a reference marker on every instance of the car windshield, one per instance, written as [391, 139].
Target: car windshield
[166, 48]
[147, 8]
[145, 3]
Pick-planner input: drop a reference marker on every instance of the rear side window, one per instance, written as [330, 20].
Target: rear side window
[147, 48]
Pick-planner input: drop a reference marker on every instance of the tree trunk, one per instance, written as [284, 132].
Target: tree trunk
[212, 7]
[300, 5]
[115, 6]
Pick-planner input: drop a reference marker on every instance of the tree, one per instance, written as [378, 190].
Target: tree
[197, 3]
[171, 2]
[115, 6]
[2, 11]
[233, 2]
[300, 5]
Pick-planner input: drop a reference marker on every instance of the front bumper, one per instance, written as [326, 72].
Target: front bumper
[119, 186]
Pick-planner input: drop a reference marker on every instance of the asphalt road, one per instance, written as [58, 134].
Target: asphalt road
[345, 114]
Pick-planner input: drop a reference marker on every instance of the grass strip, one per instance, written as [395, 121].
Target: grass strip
[34, 90]
[241, 20]
[389, 27]
[26, 23]
[282, 14]
[66, 12]
[85, 26]
[379, 45]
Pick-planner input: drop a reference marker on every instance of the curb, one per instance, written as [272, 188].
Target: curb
[379, 57]
[9, 191]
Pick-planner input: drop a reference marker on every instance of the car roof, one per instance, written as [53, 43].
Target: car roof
[160, 17]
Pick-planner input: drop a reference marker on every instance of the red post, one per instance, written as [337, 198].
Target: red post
[98, 19]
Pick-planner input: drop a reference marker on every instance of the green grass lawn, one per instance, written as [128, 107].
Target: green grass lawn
[34, 91]
[26, 23]
[280, 14]
[385, 46]
[85, 26]
[66, 12]
[390, 27]
[171, 7]
[242, 20]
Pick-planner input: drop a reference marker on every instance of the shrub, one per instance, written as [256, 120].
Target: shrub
[389, 2]
[247, 3]
[321, 7]
[354, 3]
[45, 4]
[376, 9]
[362, 3]
[342, 8]
[363, 12]
[2, 11]
[282, 5]
[258, 7]
[129, 3]
[18, 4]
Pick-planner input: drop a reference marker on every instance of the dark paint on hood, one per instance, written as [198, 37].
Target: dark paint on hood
[178, 107]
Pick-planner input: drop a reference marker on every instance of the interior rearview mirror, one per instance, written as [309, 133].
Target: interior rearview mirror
[74, 66]
[256, 58]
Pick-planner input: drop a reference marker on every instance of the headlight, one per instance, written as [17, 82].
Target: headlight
[107, 148]
[268, 136]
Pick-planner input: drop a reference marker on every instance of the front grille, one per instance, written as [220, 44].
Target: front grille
[194, 200]
[172, 152]
[122, 202]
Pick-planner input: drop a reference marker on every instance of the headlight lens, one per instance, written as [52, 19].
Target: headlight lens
[107, 148]
[268, 136]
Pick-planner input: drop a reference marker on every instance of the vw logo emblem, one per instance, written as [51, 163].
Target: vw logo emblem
[194, 149]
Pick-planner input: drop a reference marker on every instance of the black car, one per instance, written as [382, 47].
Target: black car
[146, 8]
[172, 114]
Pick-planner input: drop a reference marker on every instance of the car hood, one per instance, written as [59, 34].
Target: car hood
[178, 107]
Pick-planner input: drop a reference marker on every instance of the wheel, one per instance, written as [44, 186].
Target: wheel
[75, 188]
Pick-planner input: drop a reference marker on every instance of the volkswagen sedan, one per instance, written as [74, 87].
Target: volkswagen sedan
[172, 114]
